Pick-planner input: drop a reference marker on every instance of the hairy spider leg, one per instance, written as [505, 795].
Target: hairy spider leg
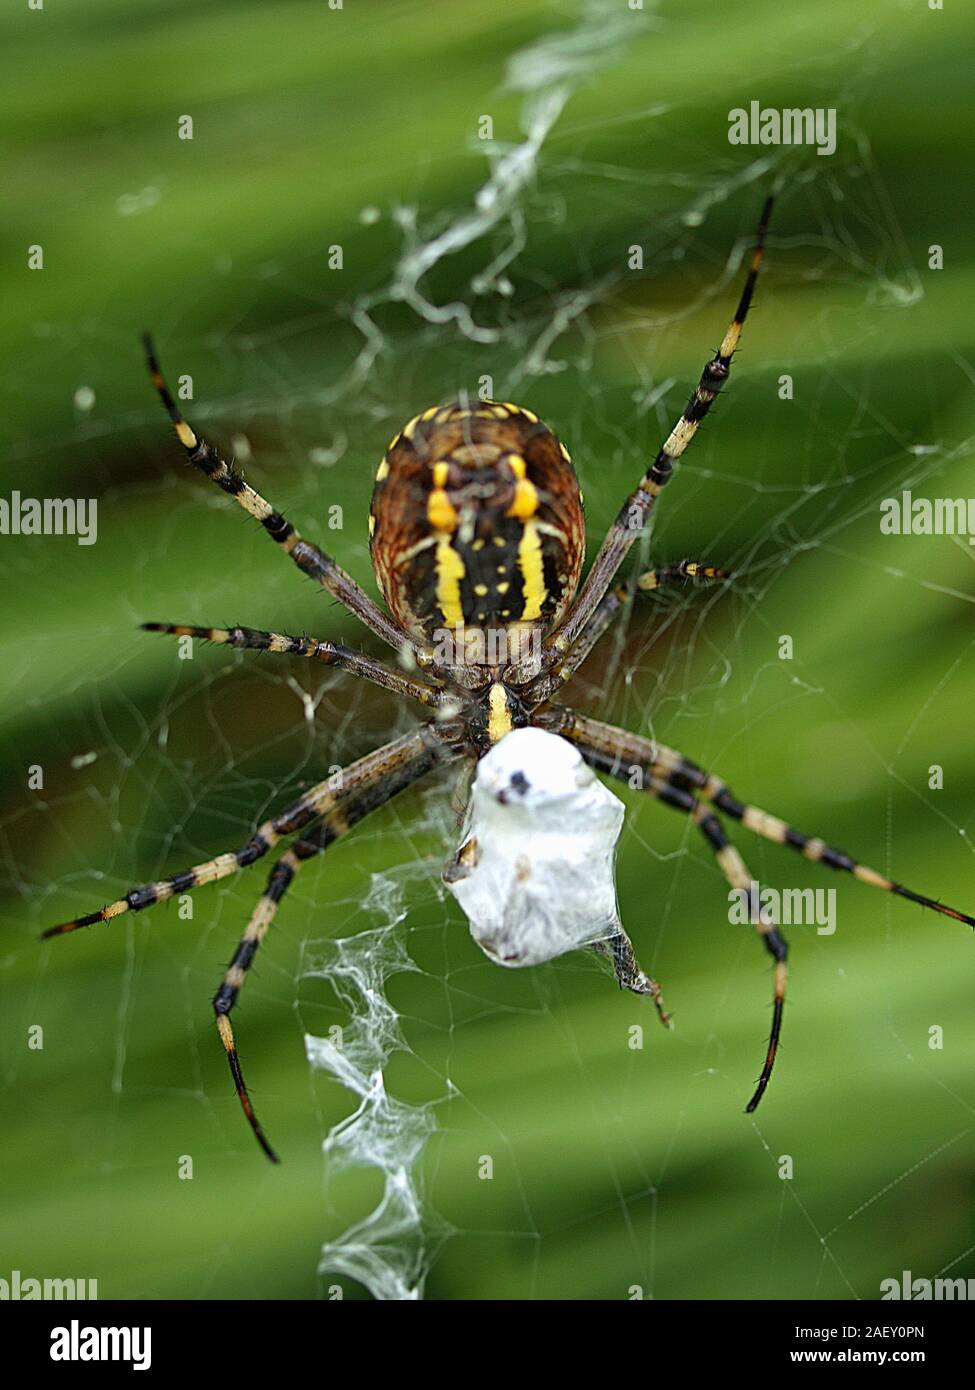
[675, 781]
[679, 573]
[610, 606]
[636, 511]
[330, 653]
[336, 822]
[419, 747]
[622, 748]
[308, 557]
[733, 867]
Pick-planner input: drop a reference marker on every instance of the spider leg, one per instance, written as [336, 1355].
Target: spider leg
[681, 772]
[729, 861]
[616, 750]
[261, 918]
[335, 823]
[396, 764]
[681, 784]
[330, 653]
[733, 867]
[308, 557]
[618, 949]
[636, 511]
[686, 569]
[609, 608]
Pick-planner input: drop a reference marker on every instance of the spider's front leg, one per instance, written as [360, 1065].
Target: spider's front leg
[590, 738]
[635, 515]
[613, 750]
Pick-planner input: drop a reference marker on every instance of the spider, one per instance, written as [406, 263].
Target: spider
[477, 539]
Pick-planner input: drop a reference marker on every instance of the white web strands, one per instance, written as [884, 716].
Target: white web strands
[547, 72]
[390, 1249]
[535, 870]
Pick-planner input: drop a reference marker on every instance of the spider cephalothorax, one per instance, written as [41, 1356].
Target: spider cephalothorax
[477, 533]
[477, 542]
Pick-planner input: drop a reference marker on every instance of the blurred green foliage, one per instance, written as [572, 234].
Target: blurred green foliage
[613, 1168]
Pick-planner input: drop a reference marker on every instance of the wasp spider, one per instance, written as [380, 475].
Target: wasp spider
[477, 540]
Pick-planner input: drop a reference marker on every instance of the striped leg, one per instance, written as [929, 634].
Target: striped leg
[733, 867]
[308, 557]
[636, 511]
[681, 772]
[413, 754]
[610, 606]
[340, 818]
[680, 573]
[618, 750]
[278, 883]
[673, 780]
[729, 861]
[330, 653]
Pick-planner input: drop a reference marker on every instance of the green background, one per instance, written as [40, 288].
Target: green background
[613, 1167]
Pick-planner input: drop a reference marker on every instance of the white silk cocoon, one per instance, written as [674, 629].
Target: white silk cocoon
[534, 872]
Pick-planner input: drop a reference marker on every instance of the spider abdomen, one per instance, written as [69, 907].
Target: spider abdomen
[476, 524]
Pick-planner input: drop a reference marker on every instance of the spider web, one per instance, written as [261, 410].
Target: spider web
[494, 1133]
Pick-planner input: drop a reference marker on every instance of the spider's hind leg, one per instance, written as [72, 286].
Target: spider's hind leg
[337, 821]
[616, 751]
[311, 843]
[612, 605]
[733, 867]
[635, 516]
[393, 766]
